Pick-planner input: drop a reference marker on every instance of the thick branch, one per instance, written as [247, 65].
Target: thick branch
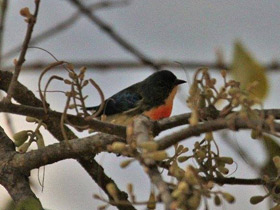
[60, 151]
[15, 182]
[74, 120]
[214, 125]
[142, 130]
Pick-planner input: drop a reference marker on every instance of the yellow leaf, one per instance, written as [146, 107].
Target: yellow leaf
[272, 149]
[247, 70]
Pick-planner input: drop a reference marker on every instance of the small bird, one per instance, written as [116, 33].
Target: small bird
[152, 97]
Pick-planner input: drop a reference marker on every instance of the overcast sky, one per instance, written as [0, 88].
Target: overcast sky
[162, 29]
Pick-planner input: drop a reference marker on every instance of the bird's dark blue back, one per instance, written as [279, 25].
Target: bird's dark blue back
[121, 102]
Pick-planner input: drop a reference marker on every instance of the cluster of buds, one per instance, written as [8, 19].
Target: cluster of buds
[23, 139]
[272, 185]
[210, 162]
[191, 188]
[205, 97]
[187, 194]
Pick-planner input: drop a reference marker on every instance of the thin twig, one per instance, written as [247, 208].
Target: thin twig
[114, 35]
[64, 25]
[3, 7]
[31, 23]
[42, 95]
[101, 94]
[126, 64]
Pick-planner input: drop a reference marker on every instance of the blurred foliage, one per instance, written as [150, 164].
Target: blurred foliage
[247, 70]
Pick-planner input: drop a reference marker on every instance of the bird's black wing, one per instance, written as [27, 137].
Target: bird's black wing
[123, 101]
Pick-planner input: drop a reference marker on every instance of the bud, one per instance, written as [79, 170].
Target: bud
[20, 137]
[185, 150]
[209, 136]
[209, 93]
[223, 170]
[213, 81]
[158, 155]
[152, 201]
[125, 163]
[217, 200]
[25, 12]
[72, 75]
[40, 140]
[276, 161]
[103, 117]
[228, 197]
[223, 73]
[96, 196]
[183, 187]
[118, 147]
[23, 148]
[15, 61]
[179, 148]
[227, 160]
[194, 201]
[85, 83]
[182, 159]
[72, 106]
[190, 176]
[31, 119]
[129, 188]
[256, 199]
[67, 81]
[112, 190]
[83, 70]
[235, 102]
[194, 118]
[150, 146]
[176, 193]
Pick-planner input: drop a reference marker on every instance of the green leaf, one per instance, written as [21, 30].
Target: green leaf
[29, 204]
[247, 70]
[272, 149]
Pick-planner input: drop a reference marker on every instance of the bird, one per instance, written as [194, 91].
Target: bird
[152, 97]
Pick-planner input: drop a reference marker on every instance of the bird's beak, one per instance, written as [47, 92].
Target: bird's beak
[179, 81]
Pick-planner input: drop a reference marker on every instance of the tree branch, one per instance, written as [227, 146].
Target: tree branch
[90, 145]
[3, 7]
[15, 182]
[233, 124]
[113, 34]
[142, 131]
[236, 181]
[74, 120]
[31, 23]
[62, 26]
[25, 96]
[128, 64]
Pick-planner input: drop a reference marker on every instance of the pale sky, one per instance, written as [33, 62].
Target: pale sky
[172, 29]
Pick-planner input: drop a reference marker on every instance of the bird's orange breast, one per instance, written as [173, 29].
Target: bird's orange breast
[164, 110]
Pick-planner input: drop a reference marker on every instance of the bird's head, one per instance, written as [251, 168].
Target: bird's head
[163, 79]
